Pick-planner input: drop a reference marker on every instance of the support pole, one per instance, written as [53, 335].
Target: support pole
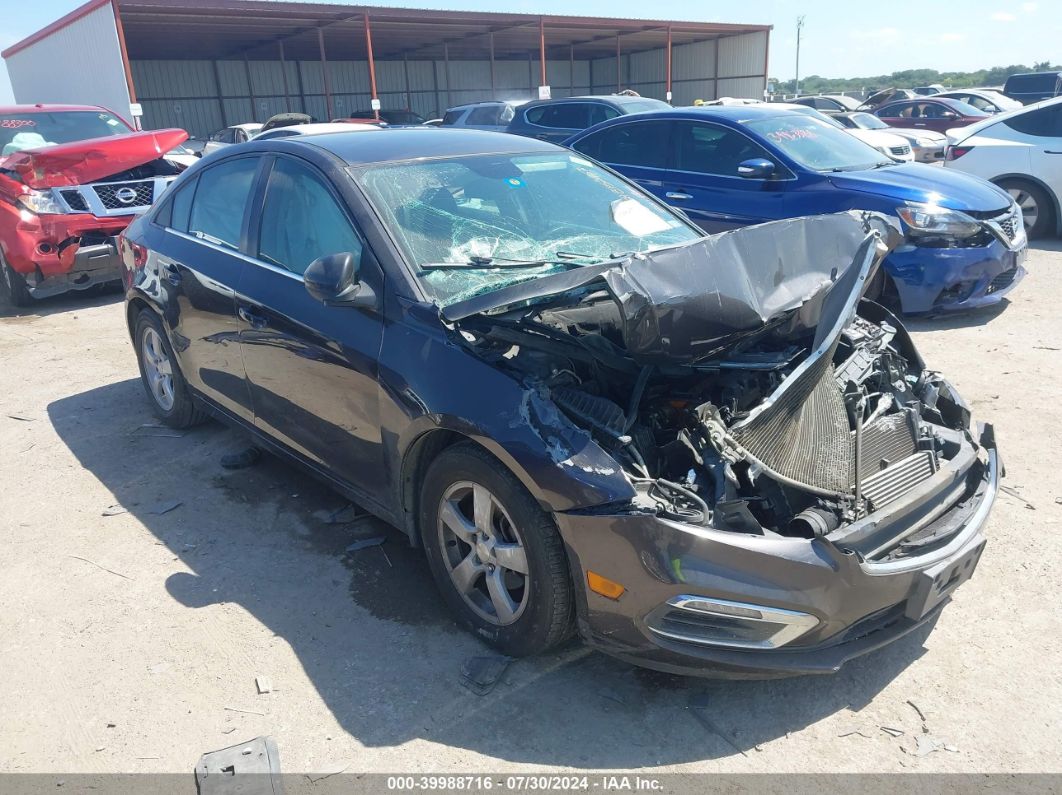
[372, 67]
[619, 81]
[446, 64]
[250, 88]
[715, 70]
[284, 75]
[409, 94]
[221, 100]
[125, 60]
[542, 50]
[493, 89]
[324, 73]
[668, 69]
[571, 70]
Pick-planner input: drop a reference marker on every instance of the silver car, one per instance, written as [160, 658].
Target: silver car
[493, 115]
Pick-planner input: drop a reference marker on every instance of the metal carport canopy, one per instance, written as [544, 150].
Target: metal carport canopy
[219, 29]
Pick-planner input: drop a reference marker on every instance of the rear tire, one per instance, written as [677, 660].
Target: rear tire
[13, 285]
[480, 527]
[1036, 207]
[166, 388]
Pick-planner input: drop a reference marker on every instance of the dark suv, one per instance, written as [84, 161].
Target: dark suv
[1033, 86]
[558, 119]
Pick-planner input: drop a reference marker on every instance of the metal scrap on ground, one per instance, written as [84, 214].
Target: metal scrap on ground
[482, 672]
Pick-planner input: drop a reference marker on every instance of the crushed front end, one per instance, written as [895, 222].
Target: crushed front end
[62, 206]
[805, 489]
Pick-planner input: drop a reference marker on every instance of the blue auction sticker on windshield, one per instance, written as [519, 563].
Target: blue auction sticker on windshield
[515, 182]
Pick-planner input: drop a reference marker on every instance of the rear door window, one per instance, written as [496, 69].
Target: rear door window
[1043, 123]
[642, 144]
[708, 149]
[563, 115]
[220, 202]
[600, 113]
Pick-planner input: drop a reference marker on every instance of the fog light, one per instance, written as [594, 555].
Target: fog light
[720, 622]
[604, 586]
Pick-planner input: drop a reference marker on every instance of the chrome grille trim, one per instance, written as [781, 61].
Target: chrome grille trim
[1008, 227]
[98, 198]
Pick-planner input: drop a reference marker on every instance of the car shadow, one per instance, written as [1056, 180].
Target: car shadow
[957, 319]
[373, 635]
[65, 302]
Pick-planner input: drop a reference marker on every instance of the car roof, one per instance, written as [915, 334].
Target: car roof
[415, 143]
[247, 125]
[615, 99]
[320, 128]
[972, 129]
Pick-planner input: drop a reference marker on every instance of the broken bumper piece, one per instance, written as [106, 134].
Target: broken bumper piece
[92, 265]
[705, 602]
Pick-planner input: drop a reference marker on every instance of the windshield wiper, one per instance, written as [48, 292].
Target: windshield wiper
[492, 263]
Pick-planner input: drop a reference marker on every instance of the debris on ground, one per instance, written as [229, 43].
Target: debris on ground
[155, 429]
[250, 768]
[114, 510]
[245, 711]
[263, 684]
[331, 770]
[914, 706]
[98, 566]
[242, 459]
[889, 730]
[482, 672]
[20, 418]
[698, 707]
[855, 731]
[365, 543]
[1014, 493]
[164, 507]
[926, 744]
[344, 515]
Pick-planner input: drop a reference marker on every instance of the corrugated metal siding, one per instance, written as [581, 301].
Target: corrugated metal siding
[741, 56]
[693, 61]
[749, 87]
[79, 64]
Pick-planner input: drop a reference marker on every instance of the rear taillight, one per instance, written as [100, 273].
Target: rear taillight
[955, 152]
[133, 254]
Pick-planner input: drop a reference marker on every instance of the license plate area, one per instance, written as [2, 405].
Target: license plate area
[937, 583]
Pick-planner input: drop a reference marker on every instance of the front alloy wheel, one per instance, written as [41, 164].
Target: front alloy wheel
[484, 553]
[494, 552]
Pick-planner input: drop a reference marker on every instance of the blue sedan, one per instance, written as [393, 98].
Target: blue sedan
[728, 167]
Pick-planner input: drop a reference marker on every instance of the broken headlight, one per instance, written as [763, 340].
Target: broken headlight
[41, 202]
[936, 221]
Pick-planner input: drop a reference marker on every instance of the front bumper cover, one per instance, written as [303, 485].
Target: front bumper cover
[860, 605]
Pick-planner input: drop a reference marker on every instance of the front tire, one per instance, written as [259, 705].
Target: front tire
[166, 388]
[13, 285]
[1036, 208]
[496, 556]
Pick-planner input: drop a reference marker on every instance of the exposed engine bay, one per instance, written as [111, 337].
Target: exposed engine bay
[806, 420]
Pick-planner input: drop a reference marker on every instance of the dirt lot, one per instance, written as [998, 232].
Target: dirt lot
[131, 642]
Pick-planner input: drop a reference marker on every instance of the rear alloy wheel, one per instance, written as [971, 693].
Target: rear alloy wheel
[495, 555]
[14, 286]
[1035, 204]
[165, 387]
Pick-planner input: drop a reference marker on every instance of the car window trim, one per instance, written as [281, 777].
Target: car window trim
[557, 104]
[667, 148]
[673, 159]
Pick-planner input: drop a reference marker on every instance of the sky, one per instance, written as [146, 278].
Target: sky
[840, 38]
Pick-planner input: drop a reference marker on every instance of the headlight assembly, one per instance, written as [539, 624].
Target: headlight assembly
[40, 202]
[936, 221]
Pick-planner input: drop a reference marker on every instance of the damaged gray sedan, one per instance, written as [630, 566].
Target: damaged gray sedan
[704, 455]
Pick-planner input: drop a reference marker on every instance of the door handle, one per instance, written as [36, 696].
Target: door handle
[1051, 152]
[253, 320]
[920, 124]
[677, 196]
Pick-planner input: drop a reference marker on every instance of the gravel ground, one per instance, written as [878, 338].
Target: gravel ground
[131, 642]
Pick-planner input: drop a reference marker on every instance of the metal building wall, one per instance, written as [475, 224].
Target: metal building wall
[204, 96]
[87, 55]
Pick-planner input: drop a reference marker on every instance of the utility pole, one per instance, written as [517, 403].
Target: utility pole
[800, 27]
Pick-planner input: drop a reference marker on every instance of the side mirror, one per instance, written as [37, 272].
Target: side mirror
[756, 168]
[333, 280]
[198, 153]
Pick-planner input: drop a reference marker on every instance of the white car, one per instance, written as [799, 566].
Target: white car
[983, 99]
[927, 146]
[236, 134]
[1021, 152]
[317, 128]
[888, 143]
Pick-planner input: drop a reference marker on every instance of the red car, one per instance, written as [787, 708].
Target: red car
[71, 178]
[929, 113]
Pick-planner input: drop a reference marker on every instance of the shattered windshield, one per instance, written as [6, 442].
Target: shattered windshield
[21, 131]
[475, 224]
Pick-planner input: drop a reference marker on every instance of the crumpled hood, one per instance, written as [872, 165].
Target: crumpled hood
[679, 304]
[918, 182]
[86, 161]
